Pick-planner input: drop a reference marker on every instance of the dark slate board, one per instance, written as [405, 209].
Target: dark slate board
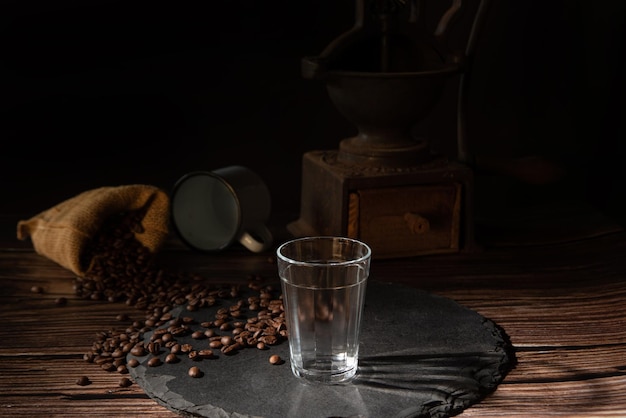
[421, 355]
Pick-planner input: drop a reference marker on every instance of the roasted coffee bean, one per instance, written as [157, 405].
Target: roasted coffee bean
[206, 354]
[122, 317]
[154, 361]
[108, 367]
[138, 350]
[118, 353]
[83, 381]
[222, 317]
[171, 358]
[269, 339]
[195, 372]
[125, 382]
[186, 348]
[198, 335]
[179, 331]
[231, 349]
[100, 360]
[158, 334]
[275, 359]
[269, 330]
[61, 301]
[153, 347]
[37, 289]
[226, 340]
[133, 362]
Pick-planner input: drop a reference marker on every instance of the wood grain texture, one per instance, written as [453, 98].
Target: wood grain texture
[562, 305]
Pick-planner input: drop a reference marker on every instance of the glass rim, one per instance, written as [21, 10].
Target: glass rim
[365, 256]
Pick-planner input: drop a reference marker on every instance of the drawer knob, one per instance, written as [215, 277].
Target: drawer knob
[417, 224]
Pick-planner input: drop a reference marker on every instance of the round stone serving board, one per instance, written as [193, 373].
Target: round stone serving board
[421, 355]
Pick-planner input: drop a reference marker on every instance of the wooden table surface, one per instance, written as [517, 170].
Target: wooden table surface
[562, 305]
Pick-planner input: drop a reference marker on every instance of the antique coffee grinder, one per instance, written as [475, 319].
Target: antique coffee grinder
[385, 186]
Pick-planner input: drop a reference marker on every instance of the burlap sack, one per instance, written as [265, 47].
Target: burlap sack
[63, 231]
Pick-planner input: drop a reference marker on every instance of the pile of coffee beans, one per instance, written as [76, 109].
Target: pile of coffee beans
[120, 269]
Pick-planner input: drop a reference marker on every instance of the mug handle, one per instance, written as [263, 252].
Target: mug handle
[260, 241]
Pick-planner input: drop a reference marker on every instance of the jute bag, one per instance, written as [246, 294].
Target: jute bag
[62, 232]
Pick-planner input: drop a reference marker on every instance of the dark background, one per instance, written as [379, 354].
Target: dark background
[111, 92]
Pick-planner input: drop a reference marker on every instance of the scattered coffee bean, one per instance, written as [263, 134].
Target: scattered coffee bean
[138, 350]
[108, 367]
[275, 359]
[153, 347]
[125, 382]
[231, 349]
[154, 362]
[83, 381]
[198, 335]
[122, 270]
[122, 317]
[206, 354]
[36, 289]
[171, 358]
[195, 372]
[215, 344]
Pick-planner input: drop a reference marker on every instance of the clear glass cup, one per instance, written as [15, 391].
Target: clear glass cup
[324, 280]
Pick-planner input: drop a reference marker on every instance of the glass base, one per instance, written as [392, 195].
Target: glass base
[325, 377]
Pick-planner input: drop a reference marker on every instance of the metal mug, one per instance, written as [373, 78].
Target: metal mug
[210, 210]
